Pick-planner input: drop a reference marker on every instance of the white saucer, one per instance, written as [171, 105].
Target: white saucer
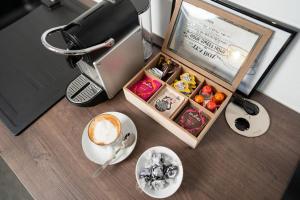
[99, 154]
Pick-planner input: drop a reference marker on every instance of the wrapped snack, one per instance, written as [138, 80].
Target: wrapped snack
[186, 85]
[218, 98]
[156, 72]
[167, 101]
[158, 171]
[199, 99]
[158, 184]
[212, 106]
[171, 171]
[182, 86]
[192, 120]
[190, 79]
[207, 91]
[156, 158]
[145, 87]
[164, 68]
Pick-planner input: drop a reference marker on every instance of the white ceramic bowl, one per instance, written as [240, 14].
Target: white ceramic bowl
[170, 189]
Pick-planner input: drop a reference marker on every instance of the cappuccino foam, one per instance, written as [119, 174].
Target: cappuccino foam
[104, 129]
[105, 132]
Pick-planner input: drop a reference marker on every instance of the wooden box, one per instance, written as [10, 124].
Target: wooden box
[214, 46]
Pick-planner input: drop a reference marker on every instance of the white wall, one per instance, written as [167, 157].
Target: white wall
[283, 82]
[160, 14]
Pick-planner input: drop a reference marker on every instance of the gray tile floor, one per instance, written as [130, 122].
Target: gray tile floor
[10, 186]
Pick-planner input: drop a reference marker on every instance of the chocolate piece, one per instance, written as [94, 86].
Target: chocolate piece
[164, 104]
[182, 86]
[190, 79]
[167, 101]
[193, 120]
[158, 184]
[171, 171]
[186, 85]
[157, 159]
[164, 68]
[146, 172]
[158, 171]
[156, 72]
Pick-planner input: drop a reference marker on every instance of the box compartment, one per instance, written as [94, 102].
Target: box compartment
[195, 114]
[167, 101]
[183, 69]
[216, 88]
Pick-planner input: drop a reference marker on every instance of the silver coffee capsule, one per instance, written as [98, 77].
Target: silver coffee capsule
[158, 184]
[171, 171]
[157, 172]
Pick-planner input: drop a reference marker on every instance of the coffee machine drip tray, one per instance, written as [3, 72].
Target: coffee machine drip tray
[84, 92]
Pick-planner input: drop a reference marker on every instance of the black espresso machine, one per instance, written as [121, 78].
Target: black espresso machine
[105, 43]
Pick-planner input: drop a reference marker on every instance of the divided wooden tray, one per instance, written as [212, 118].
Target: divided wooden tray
[169, 122]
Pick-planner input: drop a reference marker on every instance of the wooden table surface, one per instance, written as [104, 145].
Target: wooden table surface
[49, 161]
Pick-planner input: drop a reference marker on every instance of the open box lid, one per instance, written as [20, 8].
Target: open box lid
[214, 42]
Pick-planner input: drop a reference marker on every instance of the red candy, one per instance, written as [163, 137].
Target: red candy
[211, 105]
[207, 90]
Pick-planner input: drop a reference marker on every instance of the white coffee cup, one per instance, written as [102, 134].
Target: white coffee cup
[105, 130]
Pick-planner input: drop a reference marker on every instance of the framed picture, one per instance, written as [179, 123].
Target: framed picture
[281, 38]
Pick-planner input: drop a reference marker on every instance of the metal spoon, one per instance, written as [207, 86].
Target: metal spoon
[127, 141]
